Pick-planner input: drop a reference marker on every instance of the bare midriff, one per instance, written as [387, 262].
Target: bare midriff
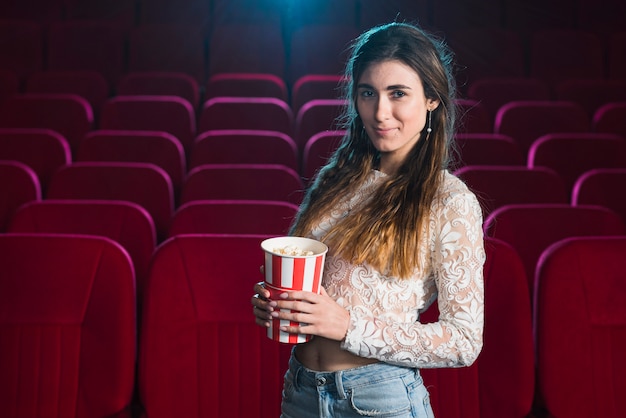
[322, 354]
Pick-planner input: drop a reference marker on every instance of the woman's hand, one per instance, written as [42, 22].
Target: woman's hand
[262, 306]
[323, 316]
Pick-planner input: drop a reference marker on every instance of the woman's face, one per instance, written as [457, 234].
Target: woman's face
[393, 108]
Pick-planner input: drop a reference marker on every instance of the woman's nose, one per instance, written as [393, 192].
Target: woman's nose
[383, 109]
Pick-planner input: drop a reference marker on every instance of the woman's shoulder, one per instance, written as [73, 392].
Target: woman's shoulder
[453, 188]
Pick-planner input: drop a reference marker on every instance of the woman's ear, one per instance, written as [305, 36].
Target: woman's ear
[432, 104]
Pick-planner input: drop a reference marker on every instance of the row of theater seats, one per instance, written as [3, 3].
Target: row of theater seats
[191, 349]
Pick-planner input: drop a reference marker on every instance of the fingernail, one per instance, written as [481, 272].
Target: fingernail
[284, 295]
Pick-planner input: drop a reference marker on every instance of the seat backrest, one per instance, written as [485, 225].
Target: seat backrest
[97, 45]
[171, 114]
[317, 150]
[67, 327]
[233, 217]
[496, 186]
[473, 117]
[572, 154]
[89, 84]
[68, 114]
[601, 187]
[315, 86]
[531, 228]
[156, 147]
[9, 84]
[169, 47]
[488, 149]
[317, 116]
[160, 83]
[506, 365]
[142, 183]
[591, 94]
[124, 222]
[246, 85]
[19, 185]
[260, 113]
[609, 118]
[243, 182]
[43, 150]
[244, 146]
[196, 320]
[513, 118]
[580, 318]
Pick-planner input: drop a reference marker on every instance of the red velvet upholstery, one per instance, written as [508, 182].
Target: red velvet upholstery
[19, 185]
[317, 116]
[473, 117]
[531, 228]
[170, 47]
[68, 114]
[501, 382]
[496, 186]
[244, 146]
[494, 92]
[155, 147]
[67, 327]
[21, 46]
[580, 327]
[602, 186]
[246, 85]
[260, 113]
[9, 83]
[591, 93]
[201, 354]
[609, 118]
[160, 83]
[525, 121]
[90, 85]
[317, 150]
[243, 182]
[572, 154]
[233, 217]
[43, 150]
[145, 184]
[171, 114]
[488, 149]
[315, 86]
[126, 223]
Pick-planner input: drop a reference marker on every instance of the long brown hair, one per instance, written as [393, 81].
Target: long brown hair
[385, 232]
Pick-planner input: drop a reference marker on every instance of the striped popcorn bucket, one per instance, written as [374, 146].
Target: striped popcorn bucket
[292, 263]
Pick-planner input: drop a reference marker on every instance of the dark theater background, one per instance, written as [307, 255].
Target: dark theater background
[147, 147]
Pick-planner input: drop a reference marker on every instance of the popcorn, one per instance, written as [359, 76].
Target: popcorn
[293, 251]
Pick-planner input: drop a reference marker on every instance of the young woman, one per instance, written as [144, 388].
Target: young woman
[402, 232]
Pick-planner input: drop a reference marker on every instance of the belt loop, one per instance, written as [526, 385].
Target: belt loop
[296, 375]
[339, 384]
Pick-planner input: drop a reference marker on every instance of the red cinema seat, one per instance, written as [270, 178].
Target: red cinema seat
[233, 217]
[572, 154]
[591, 93]
[21, 47]
[609, 118]
[244, 146]
[243, 182]
[171, 114]
[580, 318]
[313, 87]
[43, 150]
[126, 223]
[514, 119]
[260, 113]
[473, 117]
[318, 116]
[246, 85]
[318, 150]
[201, 354]
[496, 186]
[68, 114]
[19, 185]
[9, 84]
[160, 83]
[67, 327]
[154, 147]
[531, 228]
[142, 183]
[488, 149]
[603, 187]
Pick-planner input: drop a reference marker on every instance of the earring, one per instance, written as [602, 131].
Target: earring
[429, 128]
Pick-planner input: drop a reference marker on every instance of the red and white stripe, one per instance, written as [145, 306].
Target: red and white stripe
[294, 273]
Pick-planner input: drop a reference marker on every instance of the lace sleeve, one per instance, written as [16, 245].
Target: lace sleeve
[456, 338]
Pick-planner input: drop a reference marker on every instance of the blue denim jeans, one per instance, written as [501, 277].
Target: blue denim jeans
[375, 390]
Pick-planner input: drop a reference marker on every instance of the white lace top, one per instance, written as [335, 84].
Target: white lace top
[384, 311]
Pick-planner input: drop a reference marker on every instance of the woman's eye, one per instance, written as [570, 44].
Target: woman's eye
[367, 93]
[398, 93]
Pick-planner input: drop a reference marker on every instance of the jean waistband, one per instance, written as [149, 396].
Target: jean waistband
[343, 380]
